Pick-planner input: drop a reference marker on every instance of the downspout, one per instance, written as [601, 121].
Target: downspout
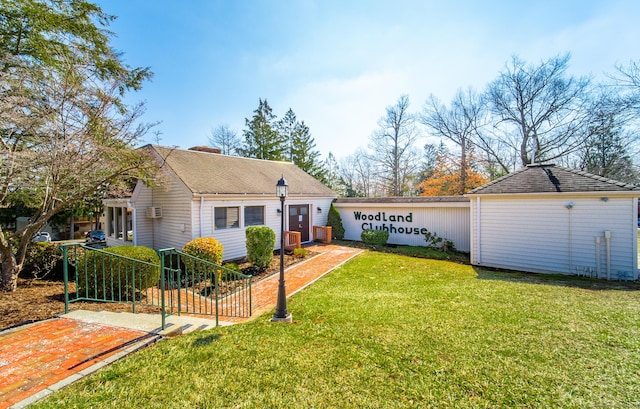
[607, 239]
[479, 247]
[201, 216]
[134, 226]
[598, 251]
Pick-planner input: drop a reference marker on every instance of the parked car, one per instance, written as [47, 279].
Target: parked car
[95, 236]
[41, 237]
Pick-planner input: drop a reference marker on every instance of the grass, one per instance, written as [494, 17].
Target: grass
[413, 251]
[388, 331]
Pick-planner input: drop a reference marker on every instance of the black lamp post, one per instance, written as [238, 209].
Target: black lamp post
[281, 314]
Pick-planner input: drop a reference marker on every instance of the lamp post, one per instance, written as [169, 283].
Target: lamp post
[281, 314]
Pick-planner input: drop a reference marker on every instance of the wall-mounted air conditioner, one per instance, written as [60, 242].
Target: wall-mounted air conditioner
[154, 212]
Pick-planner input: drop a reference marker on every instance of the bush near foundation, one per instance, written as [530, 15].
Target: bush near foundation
[335, 221]
[205, 248]
[105, 276]
[374, 237]
[261, 242]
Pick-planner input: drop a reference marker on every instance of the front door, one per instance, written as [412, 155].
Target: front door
[299, 220]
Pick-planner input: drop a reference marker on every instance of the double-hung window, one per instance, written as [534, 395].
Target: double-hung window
[253, 215]
[227, 217]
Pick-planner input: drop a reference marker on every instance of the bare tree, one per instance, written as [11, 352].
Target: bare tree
[65, 130]
[537, 112]
[358, 172]
[226, 139]
[459, 123]
[393, 145]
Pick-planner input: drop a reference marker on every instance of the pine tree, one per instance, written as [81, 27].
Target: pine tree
[261, 139]
[301, 145]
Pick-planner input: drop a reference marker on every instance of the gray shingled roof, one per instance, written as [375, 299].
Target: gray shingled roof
[210, 173]
[548, 178]
[410, 199]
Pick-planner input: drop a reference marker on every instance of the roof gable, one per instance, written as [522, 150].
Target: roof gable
[548, 178]
[211, 173]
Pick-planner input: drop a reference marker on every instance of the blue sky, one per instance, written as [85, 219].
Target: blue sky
[339, 64]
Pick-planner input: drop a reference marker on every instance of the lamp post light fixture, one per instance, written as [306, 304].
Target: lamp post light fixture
[281, 314]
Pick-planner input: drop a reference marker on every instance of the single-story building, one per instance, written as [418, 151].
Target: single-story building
[407, 219]
[207, 194]
[551, 219]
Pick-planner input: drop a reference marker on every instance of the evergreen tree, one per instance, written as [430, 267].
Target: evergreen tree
[332, 177]
[304, 154]
[605, 153]
[301, 145]
[335, 221]
[261, 139]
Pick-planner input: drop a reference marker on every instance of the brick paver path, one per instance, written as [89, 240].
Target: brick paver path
[264, 293]
[38, 355]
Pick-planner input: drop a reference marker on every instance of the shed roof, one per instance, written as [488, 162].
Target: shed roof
[212, 173]
[549, 178]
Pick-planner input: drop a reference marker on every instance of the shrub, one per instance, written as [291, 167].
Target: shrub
[261, 241]
[104, 275]
[205, 248]
[436, 242]
[300, 252]
[375, 237]
[41, 260]
[335, 221]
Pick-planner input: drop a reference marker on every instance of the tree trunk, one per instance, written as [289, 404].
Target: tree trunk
[10, 270]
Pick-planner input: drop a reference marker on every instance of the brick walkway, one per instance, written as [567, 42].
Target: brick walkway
[42, 357]
[37, 356]
[264, 293]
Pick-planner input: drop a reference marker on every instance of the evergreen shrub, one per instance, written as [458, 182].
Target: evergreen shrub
[205, 248]
[335, 221]
[261, 241]
[375, 237]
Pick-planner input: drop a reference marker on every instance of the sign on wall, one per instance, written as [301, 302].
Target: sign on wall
[408, 225]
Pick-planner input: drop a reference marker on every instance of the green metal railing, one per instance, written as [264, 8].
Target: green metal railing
[179, 284]
[101, 276]
[196, 286]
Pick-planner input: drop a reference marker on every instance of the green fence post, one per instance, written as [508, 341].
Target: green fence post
[162, 278]
[65, 274]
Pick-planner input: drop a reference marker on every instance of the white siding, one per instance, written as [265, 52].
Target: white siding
[447, 220]
[143, 226]
[234, 240]
[540, 234]
[167, 231]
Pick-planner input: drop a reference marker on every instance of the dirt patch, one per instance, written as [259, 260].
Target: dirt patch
[36, 300]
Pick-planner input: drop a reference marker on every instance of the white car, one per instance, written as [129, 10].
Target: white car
[41, 237]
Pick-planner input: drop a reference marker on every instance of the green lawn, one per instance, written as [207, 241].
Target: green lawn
[388, 331]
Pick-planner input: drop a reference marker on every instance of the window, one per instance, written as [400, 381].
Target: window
[226, 217]
[253, 215]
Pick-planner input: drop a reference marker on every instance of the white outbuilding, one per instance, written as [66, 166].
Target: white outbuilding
[551, 219]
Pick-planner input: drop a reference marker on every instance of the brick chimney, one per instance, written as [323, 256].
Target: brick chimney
[205, 149]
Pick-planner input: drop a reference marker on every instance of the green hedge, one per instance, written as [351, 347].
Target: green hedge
[103, 275]
[375, 237]
[261, 241]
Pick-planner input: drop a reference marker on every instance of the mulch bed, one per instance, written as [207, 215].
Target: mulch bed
[36, 300]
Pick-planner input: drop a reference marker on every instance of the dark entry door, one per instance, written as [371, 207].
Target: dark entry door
[299, 220]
